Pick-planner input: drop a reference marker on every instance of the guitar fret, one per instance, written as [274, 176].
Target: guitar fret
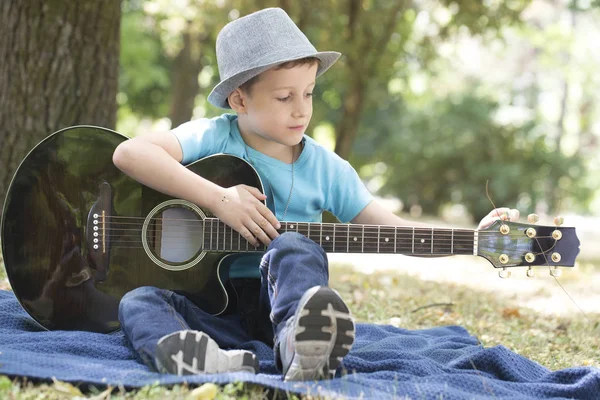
[442, 244]
[204, 234]
[362, 249]
[217, 236]
[371, 237]
[328, 244]
[321, 235]
[413, 240]
[395, 239]
[465, 242]
[211, 233]
[341, 245]
[422, 236]
[315, 235]
[432, 241]
[386, 245]
[452, 243]
[303, 228]
[348, 239]
[334, 238]
[354, 233]
[378, 237]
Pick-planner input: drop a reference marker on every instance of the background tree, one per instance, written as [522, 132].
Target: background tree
[60, 66]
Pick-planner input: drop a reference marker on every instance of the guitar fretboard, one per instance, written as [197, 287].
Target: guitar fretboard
[352, 238]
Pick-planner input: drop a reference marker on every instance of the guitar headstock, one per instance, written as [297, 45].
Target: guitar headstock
[513, 244]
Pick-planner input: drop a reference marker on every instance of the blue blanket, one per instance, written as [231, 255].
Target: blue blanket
[385, 362]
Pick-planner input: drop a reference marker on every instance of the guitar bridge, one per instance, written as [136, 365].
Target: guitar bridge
[98, 239]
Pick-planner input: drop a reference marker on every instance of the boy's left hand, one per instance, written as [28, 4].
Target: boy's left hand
[503, 213]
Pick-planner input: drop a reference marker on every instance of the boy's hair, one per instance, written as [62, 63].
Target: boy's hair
[247, 86]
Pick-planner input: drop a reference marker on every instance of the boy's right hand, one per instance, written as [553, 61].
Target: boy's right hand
[241, 207]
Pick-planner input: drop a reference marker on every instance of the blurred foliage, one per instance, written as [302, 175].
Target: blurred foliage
[448, 150]
[429, 101]
[144, 82]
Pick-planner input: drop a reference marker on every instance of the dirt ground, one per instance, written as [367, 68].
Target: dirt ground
[542, 293]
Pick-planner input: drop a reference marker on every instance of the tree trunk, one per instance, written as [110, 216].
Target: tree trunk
[362, 63]
[186, 68]
[347, 128]
[60, 66]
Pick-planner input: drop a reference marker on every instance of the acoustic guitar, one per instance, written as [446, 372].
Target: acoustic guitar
[77, 234]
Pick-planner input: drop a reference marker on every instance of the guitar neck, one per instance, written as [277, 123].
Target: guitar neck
[353, 238]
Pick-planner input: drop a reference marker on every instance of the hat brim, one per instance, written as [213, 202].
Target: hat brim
[218, 96]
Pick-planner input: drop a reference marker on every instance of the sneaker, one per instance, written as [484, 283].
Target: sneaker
[318, 336]
[192, 352]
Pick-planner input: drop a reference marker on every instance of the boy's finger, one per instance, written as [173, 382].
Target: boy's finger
[246, 234]
[259, 233]
[256, 193]
[500, 213]
[266, 226]
[269, 216]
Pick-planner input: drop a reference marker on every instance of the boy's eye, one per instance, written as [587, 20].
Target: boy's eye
[290, 96]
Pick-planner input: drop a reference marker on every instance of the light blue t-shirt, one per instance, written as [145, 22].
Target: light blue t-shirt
[322, 179]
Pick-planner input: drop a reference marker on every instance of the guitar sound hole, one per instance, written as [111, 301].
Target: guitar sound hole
[175, 235]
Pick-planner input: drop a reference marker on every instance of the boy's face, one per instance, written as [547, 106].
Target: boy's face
[278, 107]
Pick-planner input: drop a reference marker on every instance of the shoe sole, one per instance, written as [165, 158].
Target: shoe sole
[192, 352]
[324, 326]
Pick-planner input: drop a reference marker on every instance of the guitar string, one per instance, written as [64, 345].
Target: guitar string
[371, 240]
[352, 243]
[287, 223]
[418, 230]
[366, 239]
[353, 230]
[456, 237]
[339, 228]
[341, 241]
[341, 247]
[438, 243]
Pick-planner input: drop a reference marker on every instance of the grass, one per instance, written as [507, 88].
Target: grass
[404, 301]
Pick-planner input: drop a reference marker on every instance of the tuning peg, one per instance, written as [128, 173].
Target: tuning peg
[558, 221]
[530, 272]
[533, 218]
[555, 272]
[504, 273]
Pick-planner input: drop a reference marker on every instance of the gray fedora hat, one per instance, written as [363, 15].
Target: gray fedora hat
[256, 42]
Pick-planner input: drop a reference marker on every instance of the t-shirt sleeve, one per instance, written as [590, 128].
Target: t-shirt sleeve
[348, 195]
[200, 138]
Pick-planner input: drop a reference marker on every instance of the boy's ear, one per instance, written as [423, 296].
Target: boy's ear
[237, 101]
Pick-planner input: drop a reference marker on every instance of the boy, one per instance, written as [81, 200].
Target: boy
[268, 70]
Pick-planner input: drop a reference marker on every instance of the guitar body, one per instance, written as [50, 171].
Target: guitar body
[66, 274]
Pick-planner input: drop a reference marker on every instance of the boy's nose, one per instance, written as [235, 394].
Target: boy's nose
[302, 108]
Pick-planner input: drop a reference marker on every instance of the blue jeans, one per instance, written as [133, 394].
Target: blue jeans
[291, 265]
